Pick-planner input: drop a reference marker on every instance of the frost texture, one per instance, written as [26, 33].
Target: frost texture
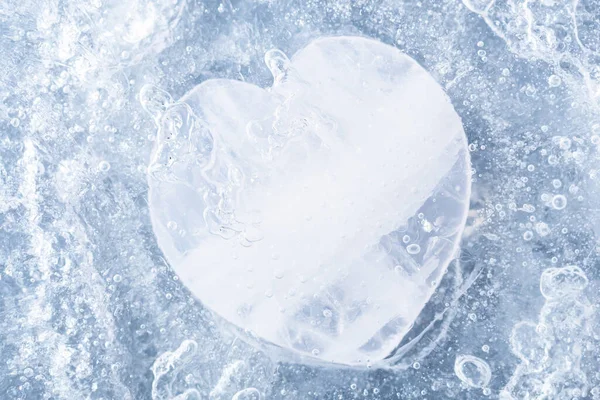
[319, 214]
[91, 308]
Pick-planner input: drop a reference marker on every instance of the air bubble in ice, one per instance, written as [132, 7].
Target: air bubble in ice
[413, 248]
[554, 80]
[559, 202]
[557, 283]
[472, 370]
[343, 187]
[104, 166]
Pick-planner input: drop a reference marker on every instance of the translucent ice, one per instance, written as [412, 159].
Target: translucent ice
[320, 213]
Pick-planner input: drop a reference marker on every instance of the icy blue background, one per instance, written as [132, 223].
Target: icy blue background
[88, 306]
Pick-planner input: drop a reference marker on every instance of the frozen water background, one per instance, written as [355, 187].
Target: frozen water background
[89, 307]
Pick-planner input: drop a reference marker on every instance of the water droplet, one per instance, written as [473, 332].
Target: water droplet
[117, 278]
[327, 313]
[472, 370]
[15, 122]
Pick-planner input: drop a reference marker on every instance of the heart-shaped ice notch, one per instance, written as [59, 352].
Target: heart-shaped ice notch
[322, 212]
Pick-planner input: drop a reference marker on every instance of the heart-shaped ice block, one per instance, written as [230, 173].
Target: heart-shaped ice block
[319, 213]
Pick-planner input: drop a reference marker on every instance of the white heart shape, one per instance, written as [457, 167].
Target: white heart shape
[322, 212]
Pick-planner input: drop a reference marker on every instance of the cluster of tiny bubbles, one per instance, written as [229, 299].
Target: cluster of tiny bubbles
[563, 329]
[473, 371]
[247, 394]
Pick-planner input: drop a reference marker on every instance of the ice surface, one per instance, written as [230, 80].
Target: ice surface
[320, 213]
[89, 307]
